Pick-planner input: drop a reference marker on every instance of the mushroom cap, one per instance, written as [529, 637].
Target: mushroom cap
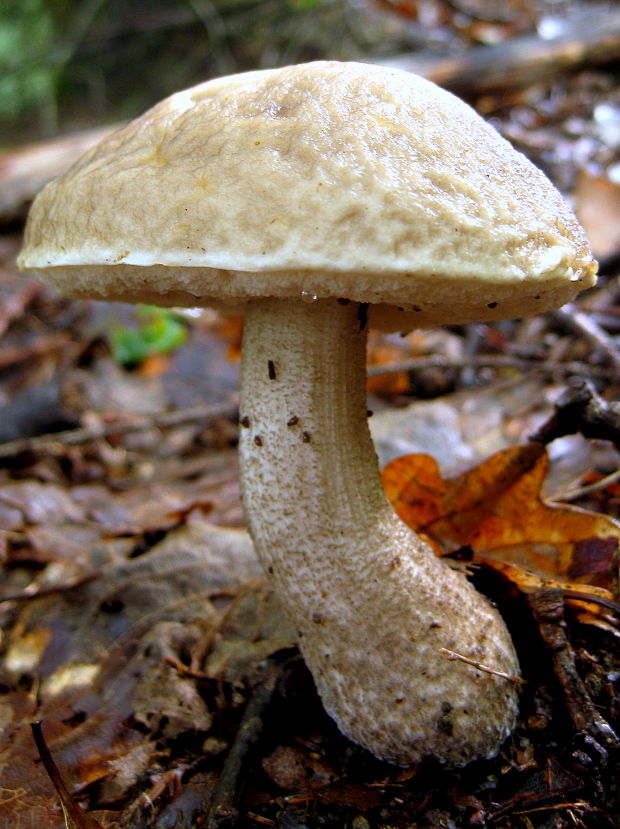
[324, 179]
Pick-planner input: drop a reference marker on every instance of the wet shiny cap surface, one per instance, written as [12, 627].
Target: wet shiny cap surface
[321, 179]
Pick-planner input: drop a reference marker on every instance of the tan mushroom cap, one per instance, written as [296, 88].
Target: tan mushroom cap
[324, 179]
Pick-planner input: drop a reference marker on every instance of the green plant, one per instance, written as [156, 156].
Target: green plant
[159, 332]
[26, 39]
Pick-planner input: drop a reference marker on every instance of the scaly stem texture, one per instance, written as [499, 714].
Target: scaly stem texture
[372, 604]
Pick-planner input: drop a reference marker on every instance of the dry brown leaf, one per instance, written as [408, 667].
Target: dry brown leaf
[382, 351]
[305, 772]
[110, 658]
[496, 510]
[597, 204]
[38, 503]
[295, 769]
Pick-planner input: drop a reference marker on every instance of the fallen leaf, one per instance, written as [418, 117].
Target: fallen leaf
[478, 424]
[497, 511]
[293, 768]
[121, 663]
[382, 351]
[309, 775]
[39, 503]
[597, 204]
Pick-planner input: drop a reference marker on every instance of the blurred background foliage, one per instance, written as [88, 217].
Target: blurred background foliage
[82, 62]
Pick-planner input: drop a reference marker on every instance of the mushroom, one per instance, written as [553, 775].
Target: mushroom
[320, 199]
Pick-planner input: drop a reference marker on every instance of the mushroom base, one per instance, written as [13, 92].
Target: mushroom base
[374, 608]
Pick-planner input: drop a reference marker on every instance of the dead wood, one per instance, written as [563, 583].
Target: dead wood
[224, 810]
[592, 39]
[592, 730]
[582, 410]
[25, 171]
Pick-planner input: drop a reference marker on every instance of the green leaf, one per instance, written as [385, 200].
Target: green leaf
[161, 332]
[303, 5]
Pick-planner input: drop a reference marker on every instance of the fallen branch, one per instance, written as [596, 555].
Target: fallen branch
[37, 348]
[547, 607]
[25, 171]
[582, 410]
[223, 810]
[589, 39]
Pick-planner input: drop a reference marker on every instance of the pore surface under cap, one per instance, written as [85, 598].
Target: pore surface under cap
[333, 179]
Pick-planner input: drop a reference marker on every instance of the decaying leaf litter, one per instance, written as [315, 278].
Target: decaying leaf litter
[137, 628]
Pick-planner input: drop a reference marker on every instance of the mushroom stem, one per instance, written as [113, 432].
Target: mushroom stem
[372, 604]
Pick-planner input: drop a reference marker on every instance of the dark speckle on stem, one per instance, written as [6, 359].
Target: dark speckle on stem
[292, 421]
[444, 723]
[492, 305]
[306, 437]
[258, 440]
[362, 315]
[271, 369]
[245, 421]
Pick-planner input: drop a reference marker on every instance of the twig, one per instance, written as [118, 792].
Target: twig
[547, 607]
[34, 592]
[74, 816]
[199, 655]
[591, 598]
[585, 327]
[581, 409]
[75, 437]
[580, 491]
[525, 802]
[37, 348]
[223, 810]
[453, 656]
[496, 362]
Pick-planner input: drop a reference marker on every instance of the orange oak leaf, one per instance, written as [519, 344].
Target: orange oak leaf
[496, 510]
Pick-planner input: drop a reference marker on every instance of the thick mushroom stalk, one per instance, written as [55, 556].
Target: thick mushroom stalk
[372, 604]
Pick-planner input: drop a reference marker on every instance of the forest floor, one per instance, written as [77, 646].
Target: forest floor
[148, 678]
